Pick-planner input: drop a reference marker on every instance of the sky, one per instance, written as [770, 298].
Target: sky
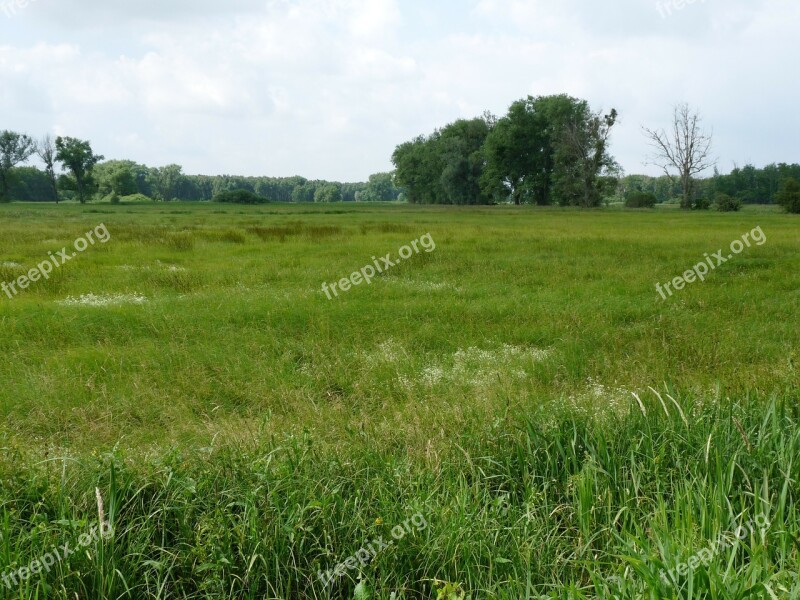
[327, 89]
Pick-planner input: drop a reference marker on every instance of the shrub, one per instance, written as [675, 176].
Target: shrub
[240, 197]
[641, 200]
[135, 199]
[789, 195]
[726, 203]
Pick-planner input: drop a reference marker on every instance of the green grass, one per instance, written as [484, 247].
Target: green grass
[246, 433]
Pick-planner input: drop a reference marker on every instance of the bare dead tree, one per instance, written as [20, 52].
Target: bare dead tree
[46, 149]
[686, 149]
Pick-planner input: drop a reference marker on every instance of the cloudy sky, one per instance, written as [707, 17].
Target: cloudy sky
[327, 88]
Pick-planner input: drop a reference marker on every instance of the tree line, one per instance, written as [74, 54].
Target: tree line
[84, 176]
[555, 150]
[546, 150]
[748, 184]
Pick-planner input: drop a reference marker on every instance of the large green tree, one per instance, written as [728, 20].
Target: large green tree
[447, 166]
[78, 160]
[583, 167]
[116, 177]
[380, 188]
[15, 148]
[521, 149]
[166, 182]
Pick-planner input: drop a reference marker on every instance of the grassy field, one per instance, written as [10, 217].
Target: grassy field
[544, 424]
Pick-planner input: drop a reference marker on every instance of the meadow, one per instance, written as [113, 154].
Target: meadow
[562, 431]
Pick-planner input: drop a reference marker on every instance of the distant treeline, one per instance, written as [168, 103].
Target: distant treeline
[747, 184]
[122, 178]
[546, 150]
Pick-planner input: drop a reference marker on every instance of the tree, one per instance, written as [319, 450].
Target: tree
[686, 149]
[461, 154]
[304, 192]
[445, 167]
[167, 180]
[328, 193]
[379, 189]
[582, 162]
[15, 148]
[520, 151]
[46, 150]
[29, 184]
[418, 169]
[789, 195]
[77, 158]
[116, 177]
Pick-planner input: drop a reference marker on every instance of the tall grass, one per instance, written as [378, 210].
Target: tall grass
[562, 503]
[246, 433]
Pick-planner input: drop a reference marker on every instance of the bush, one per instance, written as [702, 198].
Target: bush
[726, 203]
[641, 200]
[239, 197]
[789, 195]
[135, 199]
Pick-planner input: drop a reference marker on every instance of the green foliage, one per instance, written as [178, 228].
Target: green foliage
[380, 188]
[136, 199]
[167, 181]
[15, 148]
[79, 160]
[700, 202]
[29, 184]
[544, 149]
[641, 200]
[752, 185]
[328, 193]
[549, 149]
[583, 167]
[121, 177]
[239, 197]
[664, 188]
[789, 195]
[445, 167]
[725, 203]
